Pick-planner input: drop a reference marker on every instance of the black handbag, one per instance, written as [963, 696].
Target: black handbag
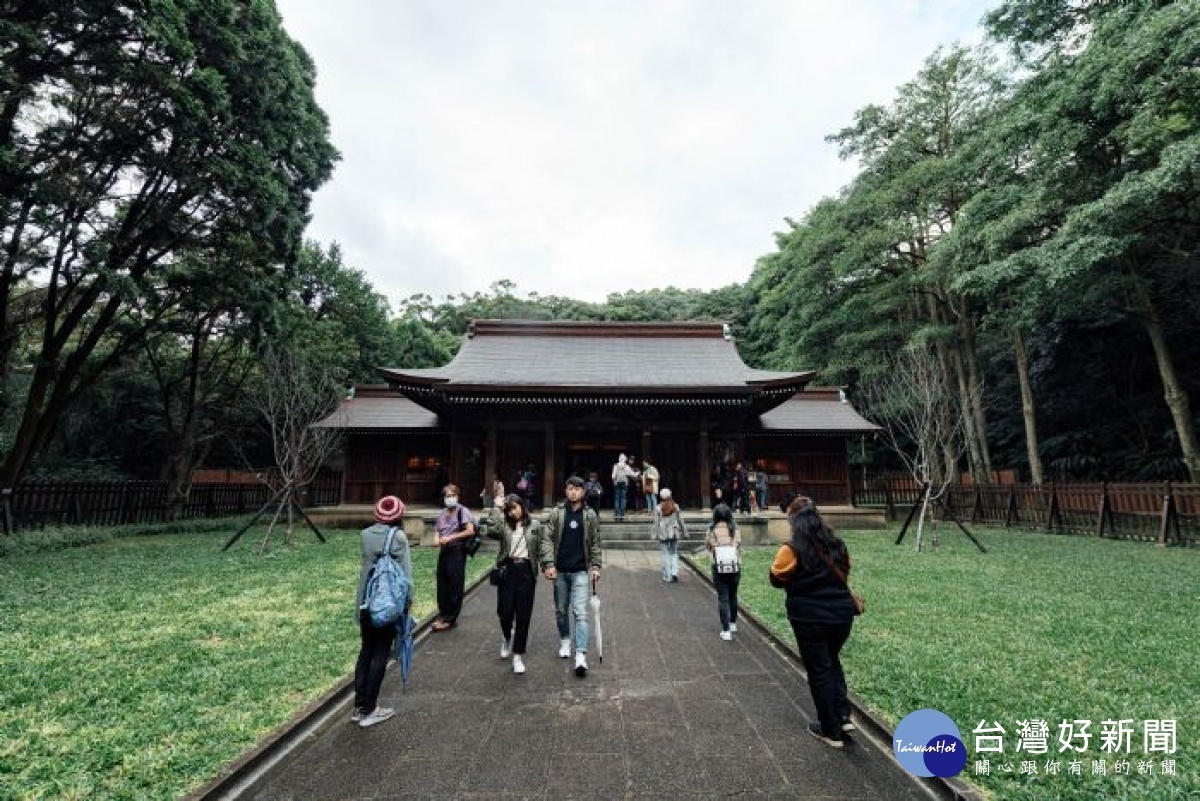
[497, 574]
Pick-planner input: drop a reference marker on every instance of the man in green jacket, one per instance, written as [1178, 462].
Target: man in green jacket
[574, 531]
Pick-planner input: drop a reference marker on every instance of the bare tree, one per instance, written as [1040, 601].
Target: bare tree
[924, 421]
[297, 390]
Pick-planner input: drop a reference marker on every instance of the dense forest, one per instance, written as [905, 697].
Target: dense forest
[1025, 220]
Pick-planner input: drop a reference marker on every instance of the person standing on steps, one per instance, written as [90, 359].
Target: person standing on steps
[573, 531]
[622, 473]
[650, 479]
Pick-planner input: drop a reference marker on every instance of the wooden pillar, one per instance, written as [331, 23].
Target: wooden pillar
[705, 468]
[489, 457]
[550, 472]
[454, 458]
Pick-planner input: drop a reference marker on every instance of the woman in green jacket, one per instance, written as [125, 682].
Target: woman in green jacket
[523, 549]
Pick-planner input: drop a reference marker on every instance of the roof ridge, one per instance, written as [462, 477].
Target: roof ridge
[597, 328]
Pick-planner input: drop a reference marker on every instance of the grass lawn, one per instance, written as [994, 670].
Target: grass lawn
[139, 667]
[1042, 627]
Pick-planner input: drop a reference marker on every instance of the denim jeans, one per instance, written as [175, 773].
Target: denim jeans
[668, 551]
[619, 491]
[571, 589]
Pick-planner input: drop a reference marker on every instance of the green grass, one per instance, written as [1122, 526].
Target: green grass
[1046, 627]
[139, 667]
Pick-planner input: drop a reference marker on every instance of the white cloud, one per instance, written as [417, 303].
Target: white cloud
[584, 148]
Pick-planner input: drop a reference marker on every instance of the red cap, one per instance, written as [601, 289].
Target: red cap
[388, 509]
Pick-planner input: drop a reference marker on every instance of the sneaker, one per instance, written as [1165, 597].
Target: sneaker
[580, 664]
[674, 579]
[506, 648]
[733, 627]
[726, 636]
[380, 714]
[833, 742]
[518, 664]
[356, 715]
[848, 725]
[564, 649]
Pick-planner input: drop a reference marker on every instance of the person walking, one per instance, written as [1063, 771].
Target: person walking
[523, 550]
[650, 480]
[760, 486]
[812, 568]
[726, 575]
[668, 527]
[573, 531]
[454, 527]
[376, 644]
[621, 475]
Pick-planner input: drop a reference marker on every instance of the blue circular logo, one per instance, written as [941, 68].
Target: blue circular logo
[928, 743]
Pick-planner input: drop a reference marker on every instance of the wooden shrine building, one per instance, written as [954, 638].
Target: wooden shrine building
[568, 397]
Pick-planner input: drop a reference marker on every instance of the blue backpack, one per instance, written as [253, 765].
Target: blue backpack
[388, 588]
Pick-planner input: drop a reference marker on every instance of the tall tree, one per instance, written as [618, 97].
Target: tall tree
[130, 133]
[1109, 213]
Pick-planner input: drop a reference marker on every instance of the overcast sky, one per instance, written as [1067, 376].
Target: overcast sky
[582, 148]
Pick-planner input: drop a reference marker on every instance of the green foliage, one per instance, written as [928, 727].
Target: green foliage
[144, 149]
[176, 659]
[1043, 626]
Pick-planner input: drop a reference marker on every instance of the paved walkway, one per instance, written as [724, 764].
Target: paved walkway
[671, 712]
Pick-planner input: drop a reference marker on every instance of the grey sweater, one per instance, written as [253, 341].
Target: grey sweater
[373, 539]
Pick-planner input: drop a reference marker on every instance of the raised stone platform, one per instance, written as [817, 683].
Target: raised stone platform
[632, 533]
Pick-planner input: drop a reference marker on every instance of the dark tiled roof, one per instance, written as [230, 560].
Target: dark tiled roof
[526, 354]
[817, 412]
[812, 412]
[379, 408]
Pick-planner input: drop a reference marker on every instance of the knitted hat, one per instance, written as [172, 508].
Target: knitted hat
[389, 509]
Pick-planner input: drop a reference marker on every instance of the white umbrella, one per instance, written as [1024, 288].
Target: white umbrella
[595, 603]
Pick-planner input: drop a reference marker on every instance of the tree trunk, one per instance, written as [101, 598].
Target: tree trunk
[977, 415]
[1173, 391]
[1032, 448]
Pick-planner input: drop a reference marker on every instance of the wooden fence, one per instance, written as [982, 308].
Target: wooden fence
[36, 504]
[1154, 512]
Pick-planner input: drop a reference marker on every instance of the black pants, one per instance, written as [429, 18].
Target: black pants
[514, 603]
[451, 581]
[372, 662]
[820, 644]
[727, 602]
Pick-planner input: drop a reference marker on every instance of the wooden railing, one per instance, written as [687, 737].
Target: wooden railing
[1159, 512]
[36, 504]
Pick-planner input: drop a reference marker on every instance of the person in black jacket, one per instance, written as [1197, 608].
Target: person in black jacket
[812, 569]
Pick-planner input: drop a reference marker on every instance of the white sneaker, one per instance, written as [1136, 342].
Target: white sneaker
[564, 648]
[580, 663]
[518, 664]
[733, 627]
[380, 714]
[506, 648]
[725, 635]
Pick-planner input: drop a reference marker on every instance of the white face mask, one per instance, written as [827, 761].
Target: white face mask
[451, 501]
